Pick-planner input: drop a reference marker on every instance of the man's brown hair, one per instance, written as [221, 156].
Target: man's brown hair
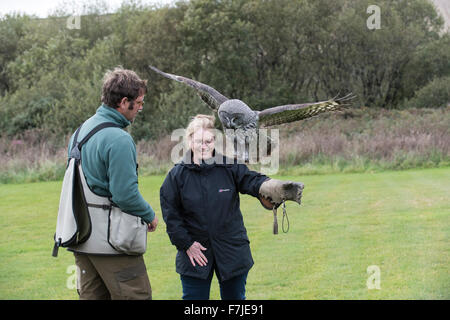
[120, 83]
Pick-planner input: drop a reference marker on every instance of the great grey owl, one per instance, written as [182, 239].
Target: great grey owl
[235, 114]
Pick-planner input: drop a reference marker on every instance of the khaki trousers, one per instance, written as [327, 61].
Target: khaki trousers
[112, 277]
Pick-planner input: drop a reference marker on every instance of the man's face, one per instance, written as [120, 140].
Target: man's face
[130, 108]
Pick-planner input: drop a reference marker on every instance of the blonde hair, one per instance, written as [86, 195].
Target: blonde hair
[200, 121]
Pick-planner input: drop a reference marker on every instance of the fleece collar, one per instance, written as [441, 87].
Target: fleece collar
[113, 115]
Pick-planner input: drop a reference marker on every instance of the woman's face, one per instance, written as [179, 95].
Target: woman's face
[202, 144]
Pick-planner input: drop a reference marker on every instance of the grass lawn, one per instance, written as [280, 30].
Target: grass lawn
[397, 220]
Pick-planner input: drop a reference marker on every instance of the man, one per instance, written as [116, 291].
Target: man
[110, 168]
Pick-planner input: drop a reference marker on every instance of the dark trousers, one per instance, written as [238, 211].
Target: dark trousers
[199, 289]
[119, 277]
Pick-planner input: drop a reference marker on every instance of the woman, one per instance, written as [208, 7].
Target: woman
[200, 205]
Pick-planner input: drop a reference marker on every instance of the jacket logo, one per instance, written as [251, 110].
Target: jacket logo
[224, 190]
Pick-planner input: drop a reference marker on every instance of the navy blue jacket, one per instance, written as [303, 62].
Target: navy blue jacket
[201, 203]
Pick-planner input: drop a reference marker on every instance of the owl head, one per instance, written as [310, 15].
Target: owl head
[235, 114]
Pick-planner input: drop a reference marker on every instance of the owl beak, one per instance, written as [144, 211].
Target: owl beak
[233, 125]
[229, 123]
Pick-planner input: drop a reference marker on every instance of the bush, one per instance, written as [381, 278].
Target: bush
[266, 53]
[436, 94]
[173, 110]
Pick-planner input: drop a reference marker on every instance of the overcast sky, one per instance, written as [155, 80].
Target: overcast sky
[42, 8]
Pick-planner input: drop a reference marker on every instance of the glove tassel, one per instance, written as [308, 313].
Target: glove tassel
[275, 221]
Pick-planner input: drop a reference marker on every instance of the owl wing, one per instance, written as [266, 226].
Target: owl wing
[209, 95]
[296, 112]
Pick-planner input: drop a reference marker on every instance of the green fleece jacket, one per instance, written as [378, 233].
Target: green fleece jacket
[109, 163]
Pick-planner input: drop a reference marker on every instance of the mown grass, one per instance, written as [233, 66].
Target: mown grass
[396, 220]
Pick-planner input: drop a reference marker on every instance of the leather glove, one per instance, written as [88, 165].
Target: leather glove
[272, 192]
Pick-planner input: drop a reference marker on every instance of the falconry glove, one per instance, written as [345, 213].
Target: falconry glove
[273, 192]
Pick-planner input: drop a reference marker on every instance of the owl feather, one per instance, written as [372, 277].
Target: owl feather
[235, 114]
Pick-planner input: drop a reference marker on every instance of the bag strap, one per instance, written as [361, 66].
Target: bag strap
[76, 146]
